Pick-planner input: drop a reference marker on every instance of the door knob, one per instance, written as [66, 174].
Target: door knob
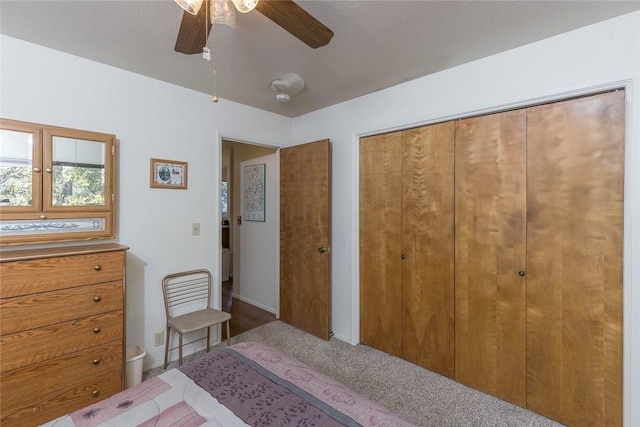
[322, 249]
[402, 256]
[521, 273]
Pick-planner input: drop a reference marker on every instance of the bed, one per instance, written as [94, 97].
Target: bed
[244, 384]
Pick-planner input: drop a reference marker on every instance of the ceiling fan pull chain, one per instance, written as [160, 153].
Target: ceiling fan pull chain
[215, 97]
[206, 52]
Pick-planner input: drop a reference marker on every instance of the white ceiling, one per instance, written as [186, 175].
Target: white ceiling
[377, 44]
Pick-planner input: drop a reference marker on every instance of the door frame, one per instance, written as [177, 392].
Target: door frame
[219, 137]
[552, 95]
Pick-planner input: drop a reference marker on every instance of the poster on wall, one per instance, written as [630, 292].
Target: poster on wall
[254, 192]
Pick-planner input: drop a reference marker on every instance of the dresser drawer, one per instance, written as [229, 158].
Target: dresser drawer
[44, 381]
[63, 402]
[46, 274]
[48, 308]
[35, 345]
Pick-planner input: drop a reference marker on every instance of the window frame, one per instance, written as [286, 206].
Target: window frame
[84, 222]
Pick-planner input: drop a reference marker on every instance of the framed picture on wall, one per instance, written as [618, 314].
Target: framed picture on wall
[168, 174]
[254, 192]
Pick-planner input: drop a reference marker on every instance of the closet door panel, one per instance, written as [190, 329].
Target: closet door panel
[380, 225]
[427, 243]
[490, 244]
[575, 153]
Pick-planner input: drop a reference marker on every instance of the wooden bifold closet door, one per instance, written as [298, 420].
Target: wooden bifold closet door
[406, 245]
[575, 178]
[490, 250]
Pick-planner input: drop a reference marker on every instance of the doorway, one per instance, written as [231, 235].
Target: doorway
[247, 311]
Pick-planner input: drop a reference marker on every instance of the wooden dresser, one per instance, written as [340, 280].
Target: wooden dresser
[62, 330]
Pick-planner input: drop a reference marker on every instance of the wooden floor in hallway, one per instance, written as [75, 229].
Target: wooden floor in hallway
[244, 316]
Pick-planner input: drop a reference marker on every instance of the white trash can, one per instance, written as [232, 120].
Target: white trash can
[135, 359]
[226, 264]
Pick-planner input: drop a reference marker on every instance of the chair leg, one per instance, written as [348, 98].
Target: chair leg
[166, 347]
[180, 350]
[208, 338]
[228, 335]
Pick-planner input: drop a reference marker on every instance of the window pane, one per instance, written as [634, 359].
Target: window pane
[78, 172]
[16, 177]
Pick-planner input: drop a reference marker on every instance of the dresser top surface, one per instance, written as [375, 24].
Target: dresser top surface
[27, 254]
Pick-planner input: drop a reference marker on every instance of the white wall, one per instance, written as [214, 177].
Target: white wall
[600, 56]
[150, 118]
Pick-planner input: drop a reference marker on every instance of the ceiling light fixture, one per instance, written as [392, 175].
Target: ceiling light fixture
[245, 6]
[193, 6]
[223, 12]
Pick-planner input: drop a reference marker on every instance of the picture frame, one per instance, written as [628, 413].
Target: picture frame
[168, 174]
[254, 192]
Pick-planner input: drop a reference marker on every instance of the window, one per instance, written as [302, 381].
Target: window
[56, 184]
[224, 200]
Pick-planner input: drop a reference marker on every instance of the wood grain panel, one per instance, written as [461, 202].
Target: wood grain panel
[305, 227]
[44, 274]
[427, 242]
[575, 227]
[35, 345]
[48, 308]
[490, 248]
[64, 402]
[24, 388]
[380, 238]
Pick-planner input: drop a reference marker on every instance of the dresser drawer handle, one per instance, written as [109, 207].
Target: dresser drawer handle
[96, 330]
[97, 267]
[97, 299]
[95, 393]
[96, 362]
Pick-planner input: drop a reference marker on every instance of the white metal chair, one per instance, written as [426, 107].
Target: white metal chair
[187, 302]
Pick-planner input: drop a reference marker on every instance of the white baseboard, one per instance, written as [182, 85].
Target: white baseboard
[255, 303]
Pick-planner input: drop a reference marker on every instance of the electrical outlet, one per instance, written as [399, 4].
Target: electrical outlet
[195, 229]
[158, 338]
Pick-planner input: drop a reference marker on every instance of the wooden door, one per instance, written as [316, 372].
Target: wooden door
[490, 252]
[380, 250]
[427, 247]
[305, 237]
[575, 153]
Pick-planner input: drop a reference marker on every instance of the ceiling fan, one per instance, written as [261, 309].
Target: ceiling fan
[287, 14]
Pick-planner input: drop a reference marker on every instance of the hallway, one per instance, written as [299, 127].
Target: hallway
[244, 316]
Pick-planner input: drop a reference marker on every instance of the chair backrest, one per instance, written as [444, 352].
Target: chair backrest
[186, 291]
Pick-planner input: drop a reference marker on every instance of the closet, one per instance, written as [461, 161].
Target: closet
[536, 255]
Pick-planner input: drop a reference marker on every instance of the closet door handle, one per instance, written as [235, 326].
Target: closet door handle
[322, 249]
[521, 273]
[402, 256]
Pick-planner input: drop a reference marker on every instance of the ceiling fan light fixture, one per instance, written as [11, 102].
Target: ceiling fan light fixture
[245, 6]
[223, 12]
[191, 6]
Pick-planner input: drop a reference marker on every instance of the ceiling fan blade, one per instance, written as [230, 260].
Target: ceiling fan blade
[192, 36]
[297, 21]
